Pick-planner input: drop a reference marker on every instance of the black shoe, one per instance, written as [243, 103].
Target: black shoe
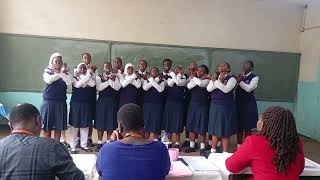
[170, 145]
[90, 143]
[78, 144]
[99, 147]
[177, 146]
[66, 145]
[196, 145]
[189, 149]
[87, 149]
[73, 151]
[205, 153]
[185, 144]
[208, 147]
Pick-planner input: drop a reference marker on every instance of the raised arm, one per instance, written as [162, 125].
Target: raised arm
[66, 78]
[191, 84]
[251, 86]
[92, 81]
[159, 87]
[147, 84]
[180, 80]
[136, 83]
[115, 84]
[232, 82]
[50, 78]
[211, 86]
[78, 83]
[101, 85]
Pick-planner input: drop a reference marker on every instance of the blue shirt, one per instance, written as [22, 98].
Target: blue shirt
[121, 161]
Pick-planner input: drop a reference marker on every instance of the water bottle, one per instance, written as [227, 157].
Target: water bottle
[165, 139]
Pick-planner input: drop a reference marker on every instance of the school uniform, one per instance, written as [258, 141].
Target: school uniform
[120, 76]
[246, 102]
[223, 115]
[187, 99]
[153, 104]
[92, 91]
[130, 87]
[106, 111]
[166, 76]
[197, 117]
[81, 112]
[54, 108]
[140, 90]
[173, 115]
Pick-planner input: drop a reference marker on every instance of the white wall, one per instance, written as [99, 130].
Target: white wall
[245, 24]
[310, 44]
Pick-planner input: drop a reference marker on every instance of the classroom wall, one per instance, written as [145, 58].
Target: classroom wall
[247, 24]
[308, 102]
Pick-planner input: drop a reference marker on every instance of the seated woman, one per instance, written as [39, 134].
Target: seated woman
[133, 157]
[276, 152]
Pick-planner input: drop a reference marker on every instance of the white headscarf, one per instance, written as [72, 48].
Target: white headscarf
[54, 55]
[78, 67]
[126, 67]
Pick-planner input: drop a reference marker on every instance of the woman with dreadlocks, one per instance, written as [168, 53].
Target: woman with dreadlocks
[275, 153]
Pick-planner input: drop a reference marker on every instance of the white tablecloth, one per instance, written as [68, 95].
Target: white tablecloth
[218, 159]
[208, 173]
[86, 163]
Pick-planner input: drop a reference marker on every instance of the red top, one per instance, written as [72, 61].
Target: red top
[257, 153]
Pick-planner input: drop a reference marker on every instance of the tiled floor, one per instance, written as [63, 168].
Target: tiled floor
[311, 148]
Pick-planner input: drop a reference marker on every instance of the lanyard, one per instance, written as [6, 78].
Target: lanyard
[134, 134]
[21, 131]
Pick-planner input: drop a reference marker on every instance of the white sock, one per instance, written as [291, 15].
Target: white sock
[202, 145]
[63, 137]
[196, 140]
[210, 142]
[155, 139]
[99, 142]
[192, 143]
[219, 143]
[238, 145]
[107, 141]
[213, 150]
[187, 139]
[177, 143]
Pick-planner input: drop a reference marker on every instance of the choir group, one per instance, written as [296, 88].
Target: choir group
[218, 104]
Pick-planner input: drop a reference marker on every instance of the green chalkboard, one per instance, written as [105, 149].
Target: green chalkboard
[23, 59]
[277, 71]
[182, 56]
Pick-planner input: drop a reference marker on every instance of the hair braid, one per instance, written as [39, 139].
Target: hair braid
[280, 129]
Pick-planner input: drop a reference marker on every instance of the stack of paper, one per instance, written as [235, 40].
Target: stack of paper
[179, 170]
[199, 163]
